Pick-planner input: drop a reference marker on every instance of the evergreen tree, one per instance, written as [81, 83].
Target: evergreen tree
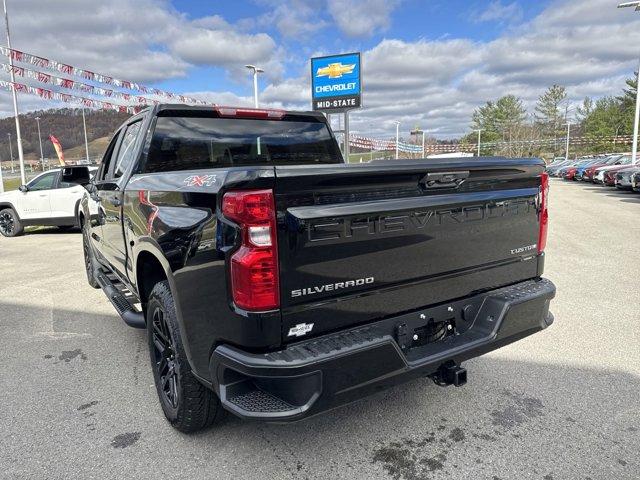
[549, 113]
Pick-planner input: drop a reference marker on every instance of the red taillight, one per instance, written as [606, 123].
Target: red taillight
[254, 266]
[544, 212]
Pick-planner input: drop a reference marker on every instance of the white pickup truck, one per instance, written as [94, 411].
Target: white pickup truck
[50, 199]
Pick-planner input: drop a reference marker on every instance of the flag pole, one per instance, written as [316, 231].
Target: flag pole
[15, 95]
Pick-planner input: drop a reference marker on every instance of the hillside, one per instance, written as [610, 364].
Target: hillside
[66, 125]
[96, 148]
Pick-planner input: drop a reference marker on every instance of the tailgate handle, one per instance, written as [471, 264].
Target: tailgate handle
[444, 179]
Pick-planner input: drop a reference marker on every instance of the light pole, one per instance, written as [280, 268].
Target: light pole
[86, 143]
[634, 148]
[40, 140]
[479, 130]
[256, 71]
[566, 152]
[397, 136]
[11, 153]
[12, 75]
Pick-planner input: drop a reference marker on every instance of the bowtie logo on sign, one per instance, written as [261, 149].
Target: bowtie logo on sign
[335, 70]
[335, 82]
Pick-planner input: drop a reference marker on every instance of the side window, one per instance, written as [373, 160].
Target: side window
[44, 182]
[101, 174]
[126, 151]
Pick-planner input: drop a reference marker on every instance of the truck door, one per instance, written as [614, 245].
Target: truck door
[111, 196]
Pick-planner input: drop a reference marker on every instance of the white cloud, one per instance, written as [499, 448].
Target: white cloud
[295, 19]
[497, 12]
[360, 18]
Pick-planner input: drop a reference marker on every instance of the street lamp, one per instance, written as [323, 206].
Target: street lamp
[397, 136]
[256, 71]
[40, 140]
[634, 148]
[566, 152]
[86, 142]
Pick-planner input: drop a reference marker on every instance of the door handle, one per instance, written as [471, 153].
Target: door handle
[116, 202]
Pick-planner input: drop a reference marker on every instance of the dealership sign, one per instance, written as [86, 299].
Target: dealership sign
[336, 82]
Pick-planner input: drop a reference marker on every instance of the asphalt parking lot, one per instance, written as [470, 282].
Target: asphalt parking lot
[78, 399]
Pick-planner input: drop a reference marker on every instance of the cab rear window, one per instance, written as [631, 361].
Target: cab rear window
[187, 143]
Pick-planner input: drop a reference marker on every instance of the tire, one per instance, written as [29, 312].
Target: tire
[89, 260]
[10, 225]
[188, 405]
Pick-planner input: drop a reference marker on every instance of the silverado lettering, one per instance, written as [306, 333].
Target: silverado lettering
[332, 286]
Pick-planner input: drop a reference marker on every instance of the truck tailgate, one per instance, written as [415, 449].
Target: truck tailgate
[362, 242]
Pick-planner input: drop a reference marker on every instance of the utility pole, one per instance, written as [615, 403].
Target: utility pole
[12, 74]
[634, 148]
[256, 71]
[566, 153]
[40, 140]
[86, 142]
[397, 137]
[479, 130]
[11, 153]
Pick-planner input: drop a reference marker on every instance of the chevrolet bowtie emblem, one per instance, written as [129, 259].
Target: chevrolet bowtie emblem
[335, 70]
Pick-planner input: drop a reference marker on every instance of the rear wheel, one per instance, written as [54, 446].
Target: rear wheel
[10, 225]
[89, 261]
[187, 404]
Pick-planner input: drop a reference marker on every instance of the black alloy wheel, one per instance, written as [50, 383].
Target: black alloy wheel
[88, 258]
[187, 404]
[10, 225]
[6, 223]
[164, 355]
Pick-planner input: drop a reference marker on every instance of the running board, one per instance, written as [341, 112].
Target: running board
[129, 315]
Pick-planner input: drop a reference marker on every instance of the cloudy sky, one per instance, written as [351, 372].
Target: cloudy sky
[426, 63]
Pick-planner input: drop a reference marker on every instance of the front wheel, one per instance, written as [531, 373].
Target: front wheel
[187, 404]
[89, 261]
[10, 225]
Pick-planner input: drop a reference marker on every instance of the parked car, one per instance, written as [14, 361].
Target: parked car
[622, 179]
[50, 199]
[554, 168]
[581, 168]
[603, 162]
[599, 174]
[569, 172]
[581, 174]
[635, 182]
[277, 282]
[609, 178]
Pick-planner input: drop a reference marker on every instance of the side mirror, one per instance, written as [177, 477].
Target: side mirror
[23, 188]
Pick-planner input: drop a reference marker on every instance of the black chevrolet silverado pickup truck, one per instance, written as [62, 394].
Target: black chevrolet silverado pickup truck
[276, 282]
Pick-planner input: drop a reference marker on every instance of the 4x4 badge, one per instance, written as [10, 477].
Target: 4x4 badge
[200, 180]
